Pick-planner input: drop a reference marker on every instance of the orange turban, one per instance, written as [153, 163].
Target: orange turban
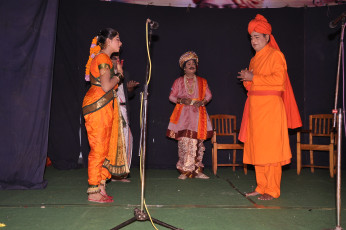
[261, 25]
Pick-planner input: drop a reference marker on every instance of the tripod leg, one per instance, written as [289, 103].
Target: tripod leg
[129, 221]
[164, 224]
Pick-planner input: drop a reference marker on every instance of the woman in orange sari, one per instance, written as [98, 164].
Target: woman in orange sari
[102, 117]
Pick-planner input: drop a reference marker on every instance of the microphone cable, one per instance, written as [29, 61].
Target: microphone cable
[141, 113]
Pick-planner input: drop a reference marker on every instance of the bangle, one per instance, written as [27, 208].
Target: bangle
[120, 76]
[204, 102]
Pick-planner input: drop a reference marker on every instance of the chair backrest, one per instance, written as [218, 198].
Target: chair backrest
[224, 125]
[321, 124]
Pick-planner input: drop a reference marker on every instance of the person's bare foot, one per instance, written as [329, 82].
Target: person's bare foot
[121, 180]
[201, 176]
[98, 198]
[265, 196]
[182, 177]
[254, 193]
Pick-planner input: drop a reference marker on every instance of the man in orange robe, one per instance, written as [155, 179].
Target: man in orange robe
[269, 111]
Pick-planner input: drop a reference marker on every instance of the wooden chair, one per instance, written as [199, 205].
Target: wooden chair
[224, 125]
[320, 125]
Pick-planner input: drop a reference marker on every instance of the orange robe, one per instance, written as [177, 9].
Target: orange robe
[269, 110]
[266, 142]
[267, 139]
[102, 121]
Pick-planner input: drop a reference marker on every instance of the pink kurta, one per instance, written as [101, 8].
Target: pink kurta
[187, 125]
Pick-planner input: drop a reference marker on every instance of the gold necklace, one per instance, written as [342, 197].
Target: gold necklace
[190, 89]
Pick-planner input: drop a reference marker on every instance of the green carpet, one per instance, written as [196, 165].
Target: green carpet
[307, 202]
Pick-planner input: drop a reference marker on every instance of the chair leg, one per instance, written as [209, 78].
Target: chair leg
[312, 161]
[331, 161]
[335, 159]
[214, 160]
[299, 159]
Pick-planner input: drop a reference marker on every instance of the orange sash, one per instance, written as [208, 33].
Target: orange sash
[176, 113]
[292, 112]
[202, 121]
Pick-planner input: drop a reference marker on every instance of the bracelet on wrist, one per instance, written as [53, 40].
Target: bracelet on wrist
[120, 76]
[204, 102]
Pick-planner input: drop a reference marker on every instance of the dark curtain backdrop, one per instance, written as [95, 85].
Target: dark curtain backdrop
[27, 40]
[219, 36]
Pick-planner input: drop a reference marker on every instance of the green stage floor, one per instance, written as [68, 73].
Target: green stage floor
[307, 202]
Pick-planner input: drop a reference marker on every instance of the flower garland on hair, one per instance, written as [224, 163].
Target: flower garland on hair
[94, 49]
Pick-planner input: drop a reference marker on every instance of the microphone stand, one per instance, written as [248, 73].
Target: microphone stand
[337, 121]
[341, 47]
[140, 214]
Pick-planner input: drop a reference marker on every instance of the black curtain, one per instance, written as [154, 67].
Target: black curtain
[218, 36]
[27, 40]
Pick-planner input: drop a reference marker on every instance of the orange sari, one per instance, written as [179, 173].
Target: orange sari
[104, 127]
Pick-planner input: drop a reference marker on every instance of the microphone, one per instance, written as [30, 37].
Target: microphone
[335, 22]
[153, 25]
